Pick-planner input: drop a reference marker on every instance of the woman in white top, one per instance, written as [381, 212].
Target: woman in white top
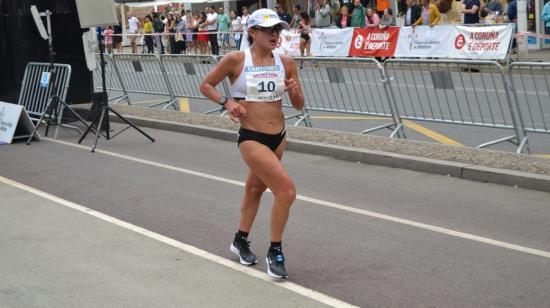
[259, 78]
[244, 20]
[235, 26]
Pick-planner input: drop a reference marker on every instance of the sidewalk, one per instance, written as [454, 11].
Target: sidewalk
[56, 256]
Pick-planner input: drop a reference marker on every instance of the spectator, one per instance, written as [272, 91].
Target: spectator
[343, 20]
[133, 27]
[334, 10]
[212, 27]
[388, 20]
[401, 12]
[117, 39]
[244, 20]
[108, 34]
[235, 25]
[158, 27]
[470, 9]
[305, 36]
[413, 13]
[196, 27]
[489, 11]
[202, 37]
[372, 20]
[148, 30]
[179, 38]
[512, 13]
[444, 6]
[322, 14]
[283, 15]
[546, 16]
[358, 15]
[223, 27]
[348, 4]
[430, 14]
[189, 30]
[381, 5]
[297, 17]
[169, 28]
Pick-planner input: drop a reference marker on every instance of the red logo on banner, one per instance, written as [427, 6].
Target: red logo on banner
[460, 41]
[374, 42]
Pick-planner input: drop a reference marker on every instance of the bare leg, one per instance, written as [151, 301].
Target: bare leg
[267, 167]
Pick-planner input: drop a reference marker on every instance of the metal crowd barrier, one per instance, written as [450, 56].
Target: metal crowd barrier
[112, 79]
[530, 85]
[462, 92]
[347, 85]
[144, 74]
[34, 97]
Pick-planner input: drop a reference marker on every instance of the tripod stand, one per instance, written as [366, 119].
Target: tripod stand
[52, 108]
[102, 118]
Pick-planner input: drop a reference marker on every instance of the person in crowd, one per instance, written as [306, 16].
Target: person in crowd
[297, 17]
[158, 27]
[512, 17]
[235, 25]
[117, 39]
[387, 20]
[223, 26]
[381, 5]
[413, 13]
[444, 6]
[148, 31]
[181, 44]
[202, 37]
[343, 20]
[189, 30]
[108, 35]
[546, 16]
[489, 11]
[283, 15]
[470, 9]
[196, 27]
[211, 25]
[401, 12]
[430, 14]
[262, 136]
[244, 20]
[169, 29]
[372, 20]
[322, 14]
[133, 28]
[358, 15]
[305, 35]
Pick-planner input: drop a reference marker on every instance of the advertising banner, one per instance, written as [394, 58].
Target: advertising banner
[488, 43]
[425, 41]
[331, 42]
[374, 42]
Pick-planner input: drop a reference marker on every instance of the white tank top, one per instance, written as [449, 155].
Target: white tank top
[259, 83]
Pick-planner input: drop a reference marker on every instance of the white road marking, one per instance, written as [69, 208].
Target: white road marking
[309, 293]
[342, 207]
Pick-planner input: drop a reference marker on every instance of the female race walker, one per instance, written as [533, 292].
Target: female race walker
[258, 78]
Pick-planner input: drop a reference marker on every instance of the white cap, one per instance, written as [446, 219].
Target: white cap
[265, 18]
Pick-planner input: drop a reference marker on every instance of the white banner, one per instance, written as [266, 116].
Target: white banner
[424, 41]
[488, 43]
[331, 42]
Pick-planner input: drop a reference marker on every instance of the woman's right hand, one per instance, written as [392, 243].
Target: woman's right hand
[235, 110]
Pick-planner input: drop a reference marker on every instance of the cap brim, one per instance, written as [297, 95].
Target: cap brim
[273, 22]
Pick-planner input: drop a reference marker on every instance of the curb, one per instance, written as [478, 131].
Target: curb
[371, 157]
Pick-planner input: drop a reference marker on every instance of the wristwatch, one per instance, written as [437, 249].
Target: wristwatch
[222, 101]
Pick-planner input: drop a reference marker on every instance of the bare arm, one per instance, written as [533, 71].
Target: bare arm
[217, 75]
[292, 83]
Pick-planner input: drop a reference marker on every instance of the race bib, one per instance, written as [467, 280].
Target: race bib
[264, 83]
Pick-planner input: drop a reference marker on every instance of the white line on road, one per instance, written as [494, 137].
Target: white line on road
[309, 293]
[342, 207]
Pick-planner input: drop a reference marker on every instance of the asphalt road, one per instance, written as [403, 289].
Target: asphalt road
[368, 235]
